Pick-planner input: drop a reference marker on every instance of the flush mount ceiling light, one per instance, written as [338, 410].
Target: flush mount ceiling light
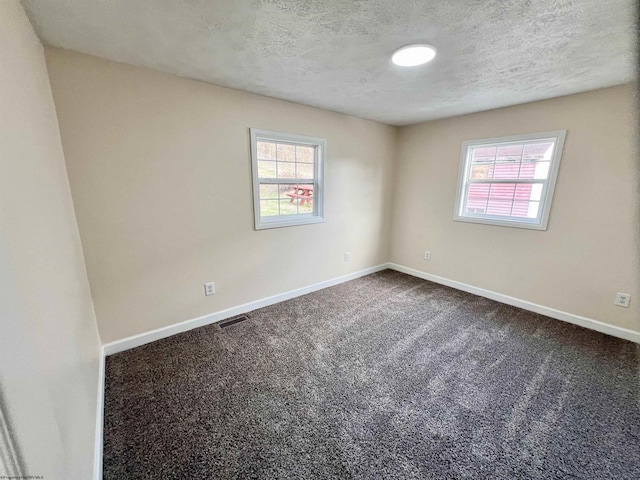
[413, 55]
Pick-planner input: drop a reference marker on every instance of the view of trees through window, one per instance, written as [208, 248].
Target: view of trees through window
[286, 174]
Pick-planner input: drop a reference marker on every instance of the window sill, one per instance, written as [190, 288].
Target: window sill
[501, 223]
[288, 222]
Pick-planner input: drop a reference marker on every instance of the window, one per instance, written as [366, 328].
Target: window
[509, 181]
[287, 179]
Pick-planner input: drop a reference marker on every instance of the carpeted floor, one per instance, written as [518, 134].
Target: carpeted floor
[387, 376]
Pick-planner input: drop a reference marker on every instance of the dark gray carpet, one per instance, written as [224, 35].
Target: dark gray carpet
[387, 376]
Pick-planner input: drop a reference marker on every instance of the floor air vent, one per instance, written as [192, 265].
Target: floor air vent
[233, 321]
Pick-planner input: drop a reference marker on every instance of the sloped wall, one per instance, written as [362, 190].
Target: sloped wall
[49, 344]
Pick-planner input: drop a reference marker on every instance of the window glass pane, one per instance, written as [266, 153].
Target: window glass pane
[304, 170]
[518, 200]
[525, 209]
[538, 151]
[499, 207]
[523, 192]
[305, 154]
[288, 207]
[476, 210]
[266, 150]
[285, 199]
[284, 190]
[301, 194]
[268, 208]
[286, 170]
[286, 153]
[509, 153]
[480, 171]
[502, 191]
[505, 171]
[500, 198]
[527, 171]
[483, 154]
[306, 207]
[268, 191]
[477, 197]
[266, 169]
[536, 191]
[528, 191]
[542, 170]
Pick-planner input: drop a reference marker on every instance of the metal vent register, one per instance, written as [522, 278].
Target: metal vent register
[232, 321]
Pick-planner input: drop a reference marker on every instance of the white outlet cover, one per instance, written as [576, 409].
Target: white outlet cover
[622, 299]
[209, 288]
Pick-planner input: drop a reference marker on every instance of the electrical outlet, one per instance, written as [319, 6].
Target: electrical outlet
[347, 256]
[209, 288]
[622, 300]
[427, 255]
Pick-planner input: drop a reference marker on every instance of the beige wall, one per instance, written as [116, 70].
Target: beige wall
[49, 344]
[589, 251]
[160, 173]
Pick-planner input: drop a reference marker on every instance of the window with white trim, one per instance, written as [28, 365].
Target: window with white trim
[287, 179]
[509, 181]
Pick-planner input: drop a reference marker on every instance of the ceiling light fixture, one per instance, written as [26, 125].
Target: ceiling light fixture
[413, 55]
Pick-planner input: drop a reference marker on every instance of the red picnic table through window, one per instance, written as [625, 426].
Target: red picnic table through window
[303, 192]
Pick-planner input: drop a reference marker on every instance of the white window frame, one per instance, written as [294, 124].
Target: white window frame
[317, 216]
[539, 223]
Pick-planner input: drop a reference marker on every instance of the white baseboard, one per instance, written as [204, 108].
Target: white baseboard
[147, 337]
[153, 335]
[97, 468]
[525, 305]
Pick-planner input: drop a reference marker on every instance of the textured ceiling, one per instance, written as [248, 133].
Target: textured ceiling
[336, 54]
